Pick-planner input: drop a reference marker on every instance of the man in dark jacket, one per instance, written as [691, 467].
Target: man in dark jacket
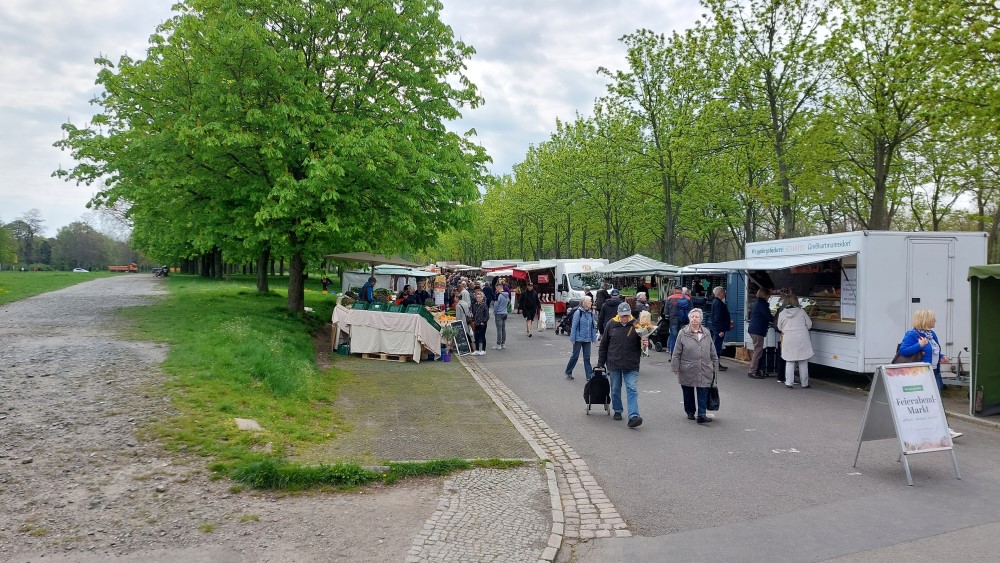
[620, 349]
[600, 298]
[609, 309]
[721, 321]
[677, 307]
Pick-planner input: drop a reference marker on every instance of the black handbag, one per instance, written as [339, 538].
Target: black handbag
[713, 396]
[897, 359]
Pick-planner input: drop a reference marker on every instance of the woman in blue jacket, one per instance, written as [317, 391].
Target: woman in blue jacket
[760, 320]
[921, 339]
[582, 334]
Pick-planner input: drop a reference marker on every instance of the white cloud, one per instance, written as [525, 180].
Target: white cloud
[535, 62]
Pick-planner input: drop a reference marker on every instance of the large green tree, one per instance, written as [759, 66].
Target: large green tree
[287, 127]
[776, 76]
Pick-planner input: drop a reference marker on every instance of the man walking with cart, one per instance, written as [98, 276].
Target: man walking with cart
[621, 347]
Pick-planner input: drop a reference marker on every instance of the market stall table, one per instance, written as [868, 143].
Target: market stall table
[380, 332]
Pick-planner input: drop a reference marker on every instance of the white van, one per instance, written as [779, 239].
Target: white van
[570, 276]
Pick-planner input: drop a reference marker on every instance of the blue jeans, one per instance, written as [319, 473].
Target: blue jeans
[501, 322]
[689, 399]
[630, 377]
[937, 377]
[587, 370]
[672, 339]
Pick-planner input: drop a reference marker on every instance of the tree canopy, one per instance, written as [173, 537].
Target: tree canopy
[296, 128]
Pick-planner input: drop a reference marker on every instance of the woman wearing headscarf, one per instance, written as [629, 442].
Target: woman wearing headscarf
[796, 348]
[695, 364]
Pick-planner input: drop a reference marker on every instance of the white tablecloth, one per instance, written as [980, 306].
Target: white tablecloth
[374, 332]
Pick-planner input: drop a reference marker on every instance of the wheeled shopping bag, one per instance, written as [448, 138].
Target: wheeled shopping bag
[597, 391]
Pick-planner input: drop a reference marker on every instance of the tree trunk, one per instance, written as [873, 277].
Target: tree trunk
[878, 216]
[217, 266]
[262, 261]
[296, 282]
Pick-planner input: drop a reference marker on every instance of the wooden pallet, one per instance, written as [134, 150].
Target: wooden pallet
[388, 357]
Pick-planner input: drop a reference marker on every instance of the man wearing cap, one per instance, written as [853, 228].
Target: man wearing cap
[609, 309]
[620, 349]
[368, 290]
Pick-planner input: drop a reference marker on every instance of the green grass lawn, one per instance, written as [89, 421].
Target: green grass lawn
[15, 286]
[235, 353]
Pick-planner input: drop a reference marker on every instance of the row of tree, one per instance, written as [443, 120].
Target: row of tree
[259, 128]
[768, 119]
[77, 245]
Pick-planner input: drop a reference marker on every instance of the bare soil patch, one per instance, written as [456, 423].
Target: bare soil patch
[79, 481]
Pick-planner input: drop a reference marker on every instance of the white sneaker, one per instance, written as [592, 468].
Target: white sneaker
[954, 434]
[482, 352]
[495, 347]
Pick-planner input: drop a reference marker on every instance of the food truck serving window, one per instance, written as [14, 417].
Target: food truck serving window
[826, 285]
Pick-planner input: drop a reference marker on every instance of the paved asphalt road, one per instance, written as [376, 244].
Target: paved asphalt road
[770, 479]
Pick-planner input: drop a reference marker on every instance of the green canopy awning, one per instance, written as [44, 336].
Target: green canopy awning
[987, 271]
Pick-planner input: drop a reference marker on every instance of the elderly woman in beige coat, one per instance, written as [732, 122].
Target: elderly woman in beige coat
[796, 348]
[695, 363]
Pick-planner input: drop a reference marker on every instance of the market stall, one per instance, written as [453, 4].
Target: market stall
[386, 276]
[383, 332]
[639, 265]
[861, 288]
[543, 276]
[985, 382]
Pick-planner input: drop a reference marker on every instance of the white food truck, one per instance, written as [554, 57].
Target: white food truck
[861, 288]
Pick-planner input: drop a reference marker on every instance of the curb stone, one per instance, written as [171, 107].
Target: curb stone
[580, 509]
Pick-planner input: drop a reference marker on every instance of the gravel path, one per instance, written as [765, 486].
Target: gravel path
[77, 484]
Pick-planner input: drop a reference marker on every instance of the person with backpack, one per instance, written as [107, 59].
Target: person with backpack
[582, 334]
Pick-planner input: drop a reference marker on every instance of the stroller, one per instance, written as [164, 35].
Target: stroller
[660, 333]
[566, 324]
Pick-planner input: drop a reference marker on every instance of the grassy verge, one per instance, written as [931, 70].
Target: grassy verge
[15, 286]
[235, 353]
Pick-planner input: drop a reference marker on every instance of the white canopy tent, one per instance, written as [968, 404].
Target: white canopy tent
[637, 265]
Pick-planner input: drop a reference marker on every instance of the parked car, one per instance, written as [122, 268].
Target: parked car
[81, 271]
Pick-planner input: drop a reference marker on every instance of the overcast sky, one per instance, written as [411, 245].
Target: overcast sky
[535, 62]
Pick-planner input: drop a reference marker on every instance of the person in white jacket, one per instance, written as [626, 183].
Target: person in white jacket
[796, 348]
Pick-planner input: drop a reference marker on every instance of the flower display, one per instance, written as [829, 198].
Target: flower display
[644, 327]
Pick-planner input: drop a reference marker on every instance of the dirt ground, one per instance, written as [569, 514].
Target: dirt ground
[77, 483]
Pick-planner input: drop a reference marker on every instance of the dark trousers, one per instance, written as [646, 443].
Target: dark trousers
[481, 336]
[689, 392]
[718, 344]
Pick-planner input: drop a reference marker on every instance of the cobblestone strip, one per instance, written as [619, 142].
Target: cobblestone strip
[486, 515]
[580, 509]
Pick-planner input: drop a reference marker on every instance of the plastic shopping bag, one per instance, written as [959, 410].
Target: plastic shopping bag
[541, 321]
